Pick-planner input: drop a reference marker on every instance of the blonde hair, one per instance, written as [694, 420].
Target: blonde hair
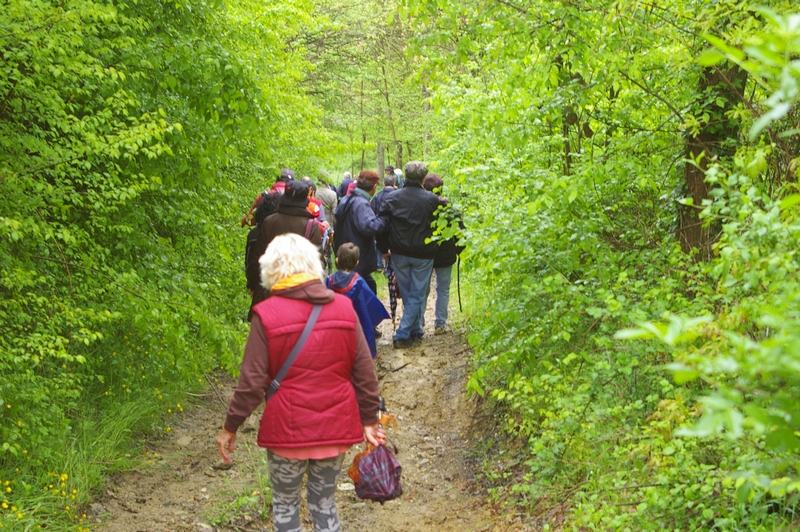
[287, 255]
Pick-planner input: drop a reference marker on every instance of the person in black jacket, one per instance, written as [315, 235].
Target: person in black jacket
[446, 256]
[410, 214]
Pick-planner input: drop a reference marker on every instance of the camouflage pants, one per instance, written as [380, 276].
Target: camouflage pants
[286, 475]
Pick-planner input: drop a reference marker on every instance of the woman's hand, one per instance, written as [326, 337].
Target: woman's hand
[226, 441]
[375, 434]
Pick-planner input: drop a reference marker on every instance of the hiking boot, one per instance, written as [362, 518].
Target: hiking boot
[439, 330]
[378, 333]
[401, 343]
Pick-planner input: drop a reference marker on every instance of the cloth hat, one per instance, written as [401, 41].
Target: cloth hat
[296, 194]
[416, 171]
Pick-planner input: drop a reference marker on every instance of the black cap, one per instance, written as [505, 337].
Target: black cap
[389, 168]
[287, 174]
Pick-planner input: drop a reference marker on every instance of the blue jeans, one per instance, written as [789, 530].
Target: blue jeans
[443, 277]
[413, 279]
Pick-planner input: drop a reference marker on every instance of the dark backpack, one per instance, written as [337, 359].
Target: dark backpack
[342, 235]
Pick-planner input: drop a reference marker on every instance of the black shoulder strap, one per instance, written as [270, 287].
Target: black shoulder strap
[276, 382]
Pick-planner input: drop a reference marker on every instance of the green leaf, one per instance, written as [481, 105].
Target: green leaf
[789, 201]
[710, 57]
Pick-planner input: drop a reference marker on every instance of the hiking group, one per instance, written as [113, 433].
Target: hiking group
[312, 337]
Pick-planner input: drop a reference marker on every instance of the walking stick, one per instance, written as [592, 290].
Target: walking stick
[458, 281]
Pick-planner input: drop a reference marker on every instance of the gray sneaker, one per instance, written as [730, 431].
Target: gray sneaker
[439, 330]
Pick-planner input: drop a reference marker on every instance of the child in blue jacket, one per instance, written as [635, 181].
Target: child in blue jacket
[369, 309]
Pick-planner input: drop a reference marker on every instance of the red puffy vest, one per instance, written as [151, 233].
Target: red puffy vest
[316, 403]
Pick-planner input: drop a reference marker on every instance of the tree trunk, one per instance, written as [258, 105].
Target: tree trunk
[388, 104]
[426, 106]
[724, 88]
[398, 159]
[380, 158]
[363, 131]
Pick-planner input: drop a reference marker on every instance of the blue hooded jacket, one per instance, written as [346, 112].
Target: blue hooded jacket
[369, 309]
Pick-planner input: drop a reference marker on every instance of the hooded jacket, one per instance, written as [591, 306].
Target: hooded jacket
[368, 307]
[357, 223]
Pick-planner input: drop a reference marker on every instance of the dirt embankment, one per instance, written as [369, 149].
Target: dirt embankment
[180, 490]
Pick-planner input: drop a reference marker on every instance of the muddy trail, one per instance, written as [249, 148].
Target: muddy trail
[179, 489]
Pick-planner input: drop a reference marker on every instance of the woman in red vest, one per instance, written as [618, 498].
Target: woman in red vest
[327, 401]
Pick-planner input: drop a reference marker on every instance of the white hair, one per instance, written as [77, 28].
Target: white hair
[287, 255]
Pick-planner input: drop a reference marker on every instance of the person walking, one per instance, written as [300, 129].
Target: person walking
[346, 182]
[396, 173]
[328, 198]
[291, 216]
[389, 186]
[347, 281]
[331, 381]
[357, 223]
[409, 212]
[286, 176]
[265, 204]
[447, 252]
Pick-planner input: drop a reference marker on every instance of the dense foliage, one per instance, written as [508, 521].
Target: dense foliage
[628, 177]
[132, 138]
[572, 131]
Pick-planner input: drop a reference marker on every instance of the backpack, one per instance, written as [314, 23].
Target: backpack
[340, 236]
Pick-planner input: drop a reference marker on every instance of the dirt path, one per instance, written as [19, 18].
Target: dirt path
[423, 386]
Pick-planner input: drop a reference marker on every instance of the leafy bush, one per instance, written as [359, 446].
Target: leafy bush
[133, 137]
[568, 131]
